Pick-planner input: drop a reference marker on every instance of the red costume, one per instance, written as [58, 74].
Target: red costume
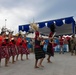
[12, 50]
[50, 49]
[25, 48]
[36, 34]
[3, 48]
[19, 45]
[51, 34]
[39, 53]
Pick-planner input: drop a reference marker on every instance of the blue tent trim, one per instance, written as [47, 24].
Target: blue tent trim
[49, 23]
[41, 24]
[26, 28]
[21, 28]
[58, 22]
[69, 20]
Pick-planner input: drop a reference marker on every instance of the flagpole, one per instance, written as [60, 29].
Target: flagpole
[5, 22]
[33, 20]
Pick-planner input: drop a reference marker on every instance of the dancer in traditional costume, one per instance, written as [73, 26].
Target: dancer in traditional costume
[12, 49]
[4, 48]
[50, 50]
[39, 54]
[19, 46]
[25, 48]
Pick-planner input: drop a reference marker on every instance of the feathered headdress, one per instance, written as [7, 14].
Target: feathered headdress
[52, 30]
[35, 28]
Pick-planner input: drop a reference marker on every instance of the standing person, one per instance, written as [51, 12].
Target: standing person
[12, 49]
[0, 47]
[19, 46]
[61, 41]
[68, 40]
[3, 48]
[73, 44]
[50, 50]
[25, 48]
[30, 46]
[65, 45]
[39, 54]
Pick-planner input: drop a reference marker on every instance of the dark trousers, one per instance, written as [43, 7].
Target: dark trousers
[73, 50]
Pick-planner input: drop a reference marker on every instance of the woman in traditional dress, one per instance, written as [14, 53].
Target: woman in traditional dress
[4, 48]
[39, 54]
[12, 49]
[25, 48]
[19, 46]
[50, 50]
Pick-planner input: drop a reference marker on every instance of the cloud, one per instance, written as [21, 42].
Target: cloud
[18, 12]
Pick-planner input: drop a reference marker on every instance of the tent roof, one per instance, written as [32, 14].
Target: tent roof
[62, 30]
[62, 27]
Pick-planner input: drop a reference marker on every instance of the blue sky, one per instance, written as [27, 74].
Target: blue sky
[19, 12]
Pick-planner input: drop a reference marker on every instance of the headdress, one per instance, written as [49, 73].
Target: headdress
[7, 31]
[52, 30]
[35, 28]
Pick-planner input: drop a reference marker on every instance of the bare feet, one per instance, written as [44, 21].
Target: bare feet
[40, 66]
[49, 61]
[36, 67]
